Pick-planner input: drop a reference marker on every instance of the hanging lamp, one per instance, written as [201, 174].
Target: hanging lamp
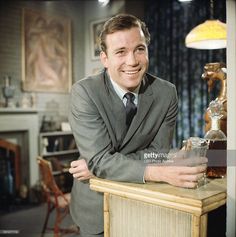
[209, 35]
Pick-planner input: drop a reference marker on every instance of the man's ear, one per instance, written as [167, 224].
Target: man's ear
[103, 58]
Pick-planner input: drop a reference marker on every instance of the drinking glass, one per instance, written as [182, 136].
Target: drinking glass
[197, 147]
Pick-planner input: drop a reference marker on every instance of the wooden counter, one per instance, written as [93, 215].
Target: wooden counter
[158, 209]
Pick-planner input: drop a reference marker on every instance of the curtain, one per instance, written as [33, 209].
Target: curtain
[169, 21]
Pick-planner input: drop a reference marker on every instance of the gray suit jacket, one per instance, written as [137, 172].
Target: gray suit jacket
[97, 118]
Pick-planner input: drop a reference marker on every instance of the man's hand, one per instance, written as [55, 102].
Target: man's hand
[182, 172]
[79, 170]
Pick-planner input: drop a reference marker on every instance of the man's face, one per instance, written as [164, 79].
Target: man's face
[126, 58]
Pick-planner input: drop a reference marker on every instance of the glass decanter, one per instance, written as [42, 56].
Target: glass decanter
[217, 142]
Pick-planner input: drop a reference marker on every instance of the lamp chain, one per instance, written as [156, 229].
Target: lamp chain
[211, 9]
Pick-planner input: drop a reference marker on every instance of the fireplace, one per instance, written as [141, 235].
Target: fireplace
[20, 127]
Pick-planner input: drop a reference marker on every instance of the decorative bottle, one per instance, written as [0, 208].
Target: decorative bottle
[217, 142]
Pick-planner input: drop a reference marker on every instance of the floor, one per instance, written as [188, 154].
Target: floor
[28, 221]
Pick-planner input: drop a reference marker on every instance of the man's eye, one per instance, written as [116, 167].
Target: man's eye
[141, 49]
[120, 52]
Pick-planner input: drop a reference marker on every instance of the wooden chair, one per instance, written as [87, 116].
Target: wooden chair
[56, 200]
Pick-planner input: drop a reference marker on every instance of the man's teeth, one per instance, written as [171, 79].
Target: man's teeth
[133, 72]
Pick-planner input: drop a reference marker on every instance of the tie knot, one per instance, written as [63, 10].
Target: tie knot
[129, 96]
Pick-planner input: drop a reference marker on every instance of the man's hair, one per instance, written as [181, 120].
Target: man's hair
[122, 22]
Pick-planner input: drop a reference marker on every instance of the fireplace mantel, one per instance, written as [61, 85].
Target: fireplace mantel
[13, 120]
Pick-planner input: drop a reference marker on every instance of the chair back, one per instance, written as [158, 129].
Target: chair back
[48, 181]
[56, 200]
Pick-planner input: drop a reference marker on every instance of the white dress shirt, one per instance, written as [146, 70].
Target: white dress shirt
[121, 92]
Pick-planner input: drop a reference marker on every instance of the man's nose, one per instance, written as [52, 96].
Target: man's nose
[131, 59]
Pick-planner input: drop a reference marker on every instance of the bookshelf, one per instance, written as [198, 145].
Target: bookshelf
[60, 149]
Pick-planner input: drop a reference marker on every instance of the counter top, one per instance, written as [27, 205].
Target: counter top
[197, 201]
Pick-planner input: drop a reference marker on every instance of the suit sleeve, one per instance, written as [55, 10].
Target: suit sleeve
[94, 142]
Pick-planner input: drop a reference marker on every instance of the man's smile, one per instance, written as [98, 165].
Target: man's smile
[131, 72]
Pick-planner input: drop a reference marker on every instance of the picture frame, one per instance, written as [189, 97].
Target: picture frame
[95, 30]
[46, 52]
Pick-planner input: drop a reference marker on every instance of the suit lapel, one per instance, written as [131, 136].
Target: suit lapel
[144, 104]
[117, 109]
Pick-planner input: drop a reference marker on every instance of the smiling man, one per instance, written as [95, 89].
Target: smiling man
[119, 117]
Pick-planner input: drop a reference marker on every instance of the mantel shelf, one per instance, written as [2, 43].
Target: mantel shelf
[18, 110]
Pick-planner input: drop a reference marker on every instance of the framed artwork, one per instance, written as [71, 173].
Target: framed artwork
[46, 52]
[95, 30]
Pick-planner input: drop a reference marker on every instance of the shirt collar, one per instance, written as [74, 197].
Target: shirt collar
[121, 92]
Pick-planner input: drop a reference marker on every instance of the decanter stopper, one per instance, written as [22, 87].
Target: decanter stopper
[215, 110]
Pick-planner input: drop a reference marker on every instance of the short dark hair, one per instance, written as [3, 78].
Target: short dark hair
[122, 22]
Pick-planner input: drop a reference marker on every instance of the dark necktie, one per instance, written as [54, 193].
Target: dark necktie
[130, 108]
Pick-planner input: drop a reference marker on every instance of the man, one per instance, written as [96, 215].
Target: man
[112, 144]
